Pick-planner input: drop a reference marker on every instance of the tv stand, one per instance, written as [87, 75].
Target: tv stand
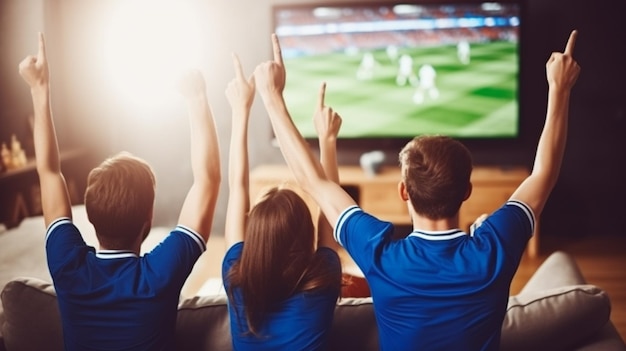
[378, 195]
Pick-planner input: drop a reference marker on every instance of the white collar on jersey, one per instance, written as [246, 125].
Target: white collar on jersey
[112, 254]
[438, 235]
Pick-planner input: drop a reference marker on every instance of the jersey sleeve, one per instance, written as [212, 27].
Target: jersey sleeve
[64, 245]
[172, 260]
[512, 226]
[362, 235]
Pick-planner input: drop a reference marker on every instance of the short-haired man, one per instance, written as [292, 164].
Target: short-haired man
[439, 288]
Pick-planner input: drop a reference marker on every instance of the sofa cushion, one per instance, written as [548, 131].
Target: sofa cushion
[554, 319]
[31, 316]
[203, 324]
[559, 269]
[354, 325]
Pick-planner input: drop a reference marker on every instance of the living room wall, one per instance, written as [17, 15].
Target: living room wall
[586, 201]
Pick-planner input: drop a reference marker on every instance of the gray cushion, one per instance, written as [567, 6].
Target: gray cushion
[546, 277]
[554, 319]
[551, 319]
[354, 325]
[32, 320]
[203, 324]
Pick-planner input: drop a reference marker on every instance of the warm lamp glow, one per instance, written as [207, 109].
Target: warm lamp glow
[147, 47]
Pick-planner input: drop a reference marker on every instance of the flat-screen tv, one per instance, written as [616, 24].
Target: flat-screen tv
[395, 70]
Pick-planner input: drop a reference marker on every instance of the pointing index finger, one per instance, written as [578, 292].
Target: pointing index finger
[42, 47]
[278, 56]
[320, 99]
[237, 65]
[571, 42]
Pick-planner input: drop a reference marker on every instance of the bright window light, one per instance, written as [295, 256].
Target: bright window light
[148, 45]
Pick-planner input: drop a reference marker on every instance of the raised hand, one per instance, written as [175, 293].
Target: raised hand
[327, 121]
[240, 91]
[270, 75]
[34, 69]
[561, 69]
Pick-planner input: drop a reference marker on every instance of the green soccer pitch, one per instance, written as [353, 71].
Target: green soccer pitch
[477, 100]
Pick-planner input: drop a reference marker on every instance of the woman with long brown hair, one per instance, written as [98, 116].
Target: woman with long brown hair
[282, 285]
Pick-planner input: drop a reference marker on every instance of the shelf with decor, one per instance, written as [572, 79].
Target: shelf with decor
[20, 193]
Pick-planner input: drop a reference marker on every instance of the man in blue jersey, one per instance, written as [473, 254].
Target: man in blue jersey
[110, 297]
[439, 288]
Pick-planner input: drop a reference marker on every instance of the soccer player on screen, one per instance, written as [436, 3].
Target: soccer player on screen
[426, 84]
[405, 71]
[439, 288]
[366, 67]
[463, 51]
[392, 53]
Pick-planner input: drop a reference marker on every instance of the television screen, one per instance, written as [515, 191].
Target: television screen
[396, 70]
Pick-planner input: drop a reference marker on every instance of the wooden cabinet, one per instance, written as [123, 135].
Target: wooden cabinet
[378, 195]
[20, 195]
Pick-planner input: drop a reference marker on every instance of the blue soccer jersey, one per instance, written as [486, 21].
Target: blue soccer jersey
[116, 300]
[302, 322]
[439, 290]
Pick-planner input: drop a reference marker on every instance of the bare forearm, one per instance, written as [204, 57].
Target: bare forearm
[204, 144]
[238, 156]
[534, 191]
[45, 140]
[55, 201]
[54, 196]
[561, 73]
[328, 158]
[199, 205]
[551, 146]
[238, 181]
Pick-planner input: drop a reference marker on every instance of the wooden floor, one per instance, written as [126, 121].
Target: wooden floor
[602, 262]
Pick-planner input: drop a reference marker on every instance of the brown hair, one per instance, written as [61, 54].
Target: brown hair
[436, 171]
[119, 199]
[278, 257]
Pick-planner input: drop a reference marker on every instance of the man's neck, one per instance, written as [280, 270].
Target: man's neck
[135, 248]
[424, 223]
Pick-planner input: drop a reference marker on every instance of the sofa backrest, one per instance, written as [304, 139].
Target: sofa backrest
[32, 321]
[557, 318]
[203, 324]
[31, 316]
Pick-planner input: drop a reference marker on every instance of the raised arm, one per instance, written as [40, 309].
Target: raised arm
[562, 72]
[199, 205]
[55, 201]
[240, 94]
[327, 124]
[330, 197]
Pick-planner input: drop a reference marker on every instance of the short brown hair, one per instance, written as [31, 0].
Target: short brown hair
[119, 199]
[436, 171]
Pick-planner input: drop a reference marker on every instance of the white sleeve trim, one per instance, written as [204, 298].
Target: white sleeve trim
[57, 222]
[527, 210]
[341, 220]
[194, 235]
